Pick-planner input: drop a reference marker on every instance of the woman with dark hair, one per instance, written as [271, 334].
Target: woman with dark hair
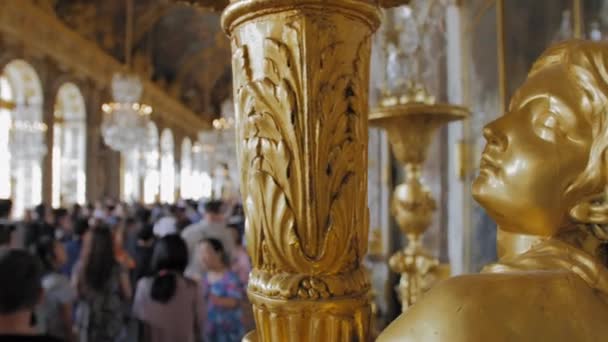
[54, 314]
[167, 302]
[103, 288]
[20, 292]
[223, 294]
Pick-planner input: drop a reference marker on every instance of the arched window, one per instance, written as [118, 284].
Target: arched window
[151, 157]
[185, 177]
[202, 183]
[22, 161]
[69, 147]
[167, 167]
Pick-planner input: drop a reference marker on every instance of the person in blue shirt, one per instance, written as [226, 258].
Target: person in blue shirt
[73, 246]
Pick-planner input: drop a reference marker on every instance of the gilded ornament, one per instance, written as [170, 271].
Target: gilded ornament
[410, 127]
[300, 88]
[543, 180]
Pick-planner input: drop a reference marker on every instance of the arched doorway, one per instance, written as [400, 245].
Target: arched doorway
[22, 134]
[186, 170]
[167, 167]
[69, 147]
[151, 157]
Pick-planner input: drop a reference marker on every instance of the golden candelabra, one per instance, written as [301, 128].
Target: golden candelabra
[410, 127]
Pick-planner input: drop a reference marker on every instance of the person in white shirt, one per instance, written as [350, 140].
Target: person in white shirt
[167, 224]
[213, 226]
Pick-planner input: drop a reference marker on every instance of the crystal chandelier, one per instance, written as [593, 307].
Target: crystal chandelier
[412, 41]
[225, 148]
[125, 121]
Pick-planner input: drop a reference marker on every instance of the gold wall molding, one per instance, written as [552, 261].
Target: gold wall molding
[25, 22]
[301, 80]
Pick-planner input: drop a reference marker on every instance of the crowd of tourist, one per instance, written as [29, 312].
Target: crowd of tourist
[116, 272]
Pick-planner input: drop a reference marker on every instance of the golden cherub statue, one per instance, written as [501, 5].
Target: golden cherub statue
[543, 179]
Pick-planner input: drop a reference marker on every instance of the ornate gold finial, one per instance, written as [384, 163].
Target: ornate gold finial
[300, 88]
[6, 104]
[410, 127]
[543, 177]
[409, 113]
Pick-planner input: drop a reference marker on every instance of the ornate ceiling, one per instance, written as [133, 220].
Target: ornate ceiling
[178, 46]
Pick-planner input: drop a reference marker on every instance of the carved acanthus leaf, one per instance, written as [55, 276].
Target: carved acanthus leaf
[296, 149]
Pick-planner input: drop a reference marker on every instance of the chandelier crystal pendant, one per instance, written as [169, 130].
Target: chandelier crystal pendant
[125, 121]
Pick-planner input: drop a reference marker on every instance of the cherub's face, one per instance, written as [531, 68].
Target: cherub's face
[533, 153]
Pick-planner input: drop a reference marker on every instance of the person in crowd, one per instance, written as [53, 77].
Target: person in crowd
[20, 292]
[103, 289]
[223, 294]
[167, 224]
[99, 211]
[192, 211]
[26, 221]
[7, 227]
[28, 215]
[6, 207]
[63, 225]
[144, 251]
[167, 302]
[7, 230]
[213, 225]
[43, 225]
[87, 210]
[73, 246]
[111, 219]
[241, 266]
[156, 212]
[120, 210]
[237, 217]
[121, 254]
[76, 212]
[54, 314]
[132, 228]
[142, 215]
[182, 220]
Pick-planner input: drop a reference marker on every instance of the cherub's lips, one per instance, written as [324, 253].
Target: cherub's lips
[489, 165]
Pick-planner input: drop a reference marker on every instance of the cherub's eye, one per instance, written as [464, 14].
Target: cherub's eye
[546, 125]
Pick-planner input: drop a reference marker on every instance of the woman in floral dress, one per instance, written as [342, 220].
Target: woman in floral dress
[223, 294]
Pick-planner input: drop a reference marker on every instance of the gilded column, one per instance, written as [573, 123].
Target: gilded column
[301, 75]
